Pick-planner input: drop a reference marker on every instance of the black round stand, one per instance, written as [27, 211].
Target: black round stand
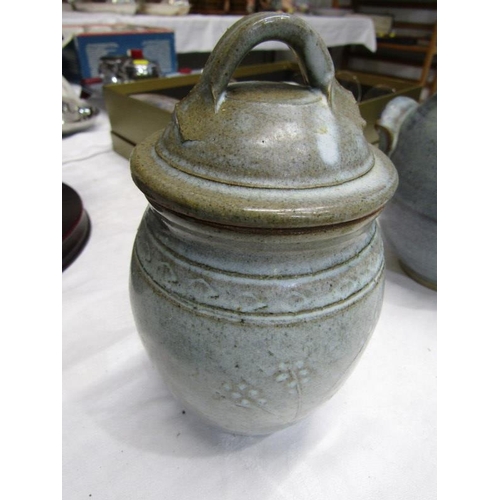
[75, 226]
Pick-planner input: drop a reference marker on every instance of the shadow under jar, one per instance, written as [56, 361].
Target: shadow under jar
[257, 272]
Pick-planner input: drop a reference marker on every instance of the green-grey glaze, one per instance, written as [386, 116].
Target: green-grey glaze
[250, 331]
[266, 154]
[410, 221]
[257, 272]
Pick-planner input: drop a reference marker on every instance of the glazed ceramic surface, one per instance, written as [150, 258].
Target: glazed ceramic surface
[409, 134]
[257, 273]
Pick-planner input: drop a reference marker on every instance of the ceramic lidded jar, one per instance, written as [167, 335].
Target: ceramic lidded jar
[408, 134]
[257, 272]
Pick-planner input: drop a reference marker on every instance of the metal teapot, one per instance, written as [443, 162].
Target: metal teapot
[258, 269]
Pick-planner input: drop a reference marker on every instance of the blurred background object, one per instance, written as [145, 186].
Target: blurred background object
[114, 6]
[408, 133]
[406, 41]
[165, 7]
[77, 114]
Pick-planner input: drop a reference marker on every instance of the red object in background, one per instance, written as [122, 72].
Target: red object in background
[136, 54]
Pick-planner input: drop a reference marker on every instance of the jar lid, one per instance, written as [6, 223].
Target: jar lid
[264, 154]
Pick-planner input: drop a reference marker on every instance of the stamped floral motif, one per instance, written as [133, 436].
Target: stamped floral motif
[296, 299]
[243, 395]
[293, 376]
[146, 251]
[203, 288]
[250, 303]
[169, 273]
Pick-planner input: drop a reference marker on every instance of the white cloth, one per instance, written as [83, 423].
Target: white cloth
[125, 437]
[200, 33]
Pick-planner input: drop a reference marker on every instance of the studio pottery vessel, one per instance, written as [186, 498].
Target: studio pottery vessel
[408, 133]
[257, 272]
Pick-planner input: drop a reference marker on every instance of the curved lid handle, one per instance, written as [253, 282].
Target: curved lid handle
[314, 59]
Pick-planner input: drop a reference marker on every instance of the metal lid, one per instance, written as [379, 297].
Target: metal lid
[262, 154]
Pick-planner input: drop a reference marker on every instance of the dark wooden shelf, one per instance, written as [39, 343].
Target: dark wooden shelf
[423, 49]
[395, 4]
[392, 59]
[413, 26]
[416, 48]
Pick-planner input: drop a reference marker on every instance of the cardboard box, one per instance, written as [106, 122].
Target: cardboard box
[91, 42]
[132, 120]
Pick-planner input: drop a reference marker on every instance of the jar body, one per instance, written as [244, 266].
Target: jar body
[253, 330]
